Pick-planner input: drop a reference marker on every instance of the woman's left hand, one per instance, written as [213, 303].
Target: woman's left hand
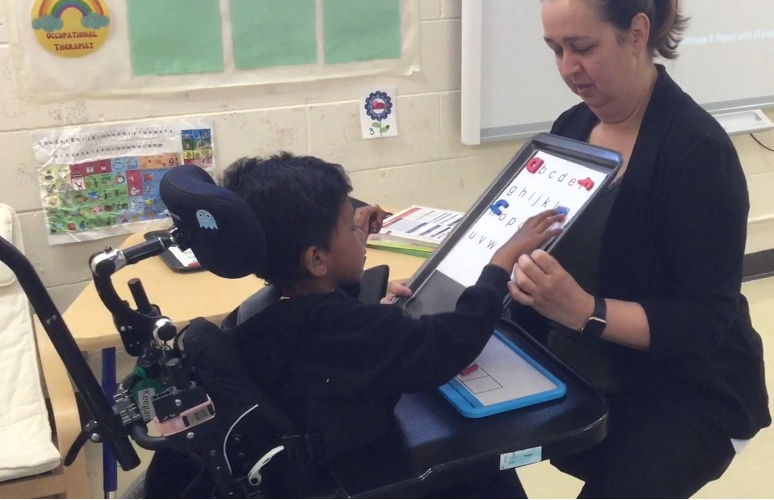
[542, 283]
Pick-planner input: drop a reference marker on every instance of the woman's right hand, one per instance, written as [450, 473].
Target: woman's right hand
[536, 231]
[397, 289]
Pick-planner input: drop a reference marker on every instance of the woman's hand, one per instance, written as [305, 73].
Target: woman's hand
[396, 289]
[542, 283]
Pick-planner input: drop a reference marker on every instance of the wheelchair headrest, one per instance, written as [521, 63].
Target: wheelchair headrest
[221, 229]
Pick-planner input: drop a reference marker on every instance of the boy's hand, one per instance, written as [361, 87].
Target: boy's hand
[369, 219]
[396, 289]
[536, 231]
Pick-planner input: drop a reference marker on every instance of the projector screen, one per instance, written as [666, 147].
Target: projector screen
[511, 86]
[727, 56]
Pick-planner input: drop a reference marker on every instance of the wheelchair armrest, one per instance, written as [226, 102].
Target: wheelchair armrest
[373, 285]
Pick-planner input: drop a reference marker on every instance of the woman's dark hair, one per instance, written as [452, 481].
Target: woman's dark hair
[297, 199]
[667, 24]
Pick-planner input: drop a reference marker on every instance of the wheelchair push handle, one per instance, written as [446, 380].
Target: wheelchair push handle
[148, 249]
[140, 297]
[140, 327]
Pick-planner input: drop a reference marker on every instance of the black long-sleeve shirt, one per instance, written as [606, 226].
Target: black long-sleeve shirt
[339, 366]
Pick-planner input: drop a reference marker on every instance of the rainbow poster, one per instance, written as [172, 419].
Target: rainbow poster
[71, 28]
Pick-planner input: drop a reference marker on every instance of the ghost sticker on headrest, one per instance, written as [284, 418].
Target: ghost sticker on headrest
[206, 220]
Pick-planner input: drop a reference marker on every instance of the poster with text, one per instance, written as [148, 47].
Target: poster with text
[100, 181]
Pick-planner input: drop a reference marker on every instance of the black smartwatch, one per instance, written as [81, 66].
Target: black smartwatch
[597, 323]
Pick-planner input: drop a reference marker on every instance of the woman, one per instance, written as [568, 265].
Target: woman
[643, 297]
[648, 306]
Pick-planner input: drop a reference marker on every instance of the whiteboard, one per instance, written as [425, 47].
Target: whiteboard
[498, 376]
[511, 87]
[555, 182]
[547, 173]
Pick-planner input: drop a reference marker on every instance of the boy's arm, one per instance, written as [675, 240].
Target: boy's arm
[396, 353]
[413, 355]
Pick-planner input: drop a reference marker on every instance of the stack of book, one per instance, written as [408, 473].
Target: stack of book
[416, 230]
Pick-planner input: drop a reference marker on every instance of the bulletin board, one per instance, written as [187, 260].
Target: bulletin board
[114, 47]
[547, 173]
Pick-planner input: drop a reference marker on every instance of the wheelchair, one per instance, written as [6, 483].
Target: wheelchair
[213, 419]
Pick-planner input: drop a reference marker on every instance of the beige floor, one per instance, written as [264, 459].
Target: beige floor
[751, 475]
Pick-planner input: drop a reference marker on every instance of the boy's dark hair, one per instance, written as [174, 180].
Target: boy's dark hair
[297, 199]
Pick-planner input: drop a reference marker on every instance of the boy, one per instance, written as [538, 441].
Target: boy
[336, 365]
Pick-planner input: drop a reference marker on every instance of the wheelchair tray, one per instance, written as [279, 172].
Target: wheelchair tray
[432, 446]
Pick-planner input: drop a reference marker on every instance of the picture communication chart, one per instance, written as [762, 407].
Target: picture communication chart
[103, 180]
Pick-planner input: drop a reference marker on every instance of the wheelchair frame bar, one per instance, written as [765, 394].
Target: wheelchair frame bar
[109, 424]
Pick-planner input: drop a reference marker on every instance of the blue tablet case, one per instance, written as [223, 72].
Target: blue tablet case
[469, 406]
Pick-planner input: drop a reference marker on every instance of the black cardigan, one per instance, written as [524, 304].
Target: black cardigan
[674, 243]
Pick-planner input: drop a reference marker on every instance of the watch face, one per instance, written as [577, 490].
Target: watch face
[594, 327]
